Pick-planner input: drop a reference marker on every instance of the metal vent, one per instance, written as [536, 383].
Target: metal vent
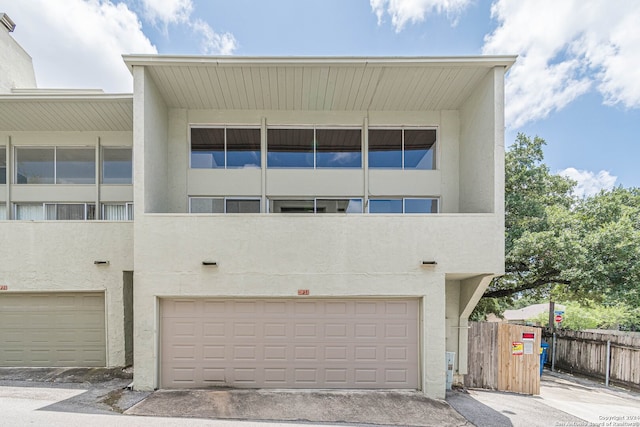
[7, 22]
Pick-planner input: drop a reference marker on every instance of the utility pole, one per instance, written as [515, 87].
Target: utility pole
[552, 315]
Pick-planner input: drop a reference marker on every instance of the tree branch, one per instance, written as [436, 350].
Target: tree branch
[527, 286]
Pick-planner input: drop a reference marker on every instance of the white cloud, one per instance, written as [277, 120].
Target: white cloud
[414, 11]
[566, 49]
[212, 42]
[167, 11]
[178, 12]
[78, 44]
[589, 183]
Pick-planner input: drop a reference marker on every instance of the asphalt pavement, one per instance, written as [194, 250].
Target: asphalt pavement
[95, 397]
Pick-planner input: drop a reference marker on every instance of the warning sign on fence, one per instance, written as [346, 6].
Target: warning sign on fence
[517, 348]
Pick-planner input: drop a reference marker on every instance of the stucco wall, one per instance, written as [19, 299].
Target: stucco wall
[275, 255]
[16, 66]
[59, 256]
[478, 135]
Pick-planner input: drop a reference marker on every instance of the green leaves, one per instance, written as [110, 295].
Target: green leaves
[559, 246]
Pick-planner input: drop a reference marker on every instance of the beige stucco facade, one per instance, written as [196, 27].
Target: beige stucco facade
[443, 260]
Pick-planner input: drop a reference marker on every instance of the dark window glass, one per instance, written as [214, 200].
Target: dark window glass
[385, 148]
[34, 165]
[65, 212]
[116, 165]
[339, 205]
[243, 206]
[207, 148]
[290, 148]
[338, 148]
[75, 166]
[385, 206]
[207, 205]
[419, 149]
[420, 206]
[291, 206]
[3, 165]
[243, 148]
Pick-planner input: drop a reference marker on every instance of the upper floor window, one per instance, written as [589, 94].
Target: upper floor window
[117, 166]
[55, 211]
[213, 148]
[315, 205]
[223, 205]
[405, 205]
[314, 148]
[55, 165]
[3, 165]
[3, 211]
[402, 148]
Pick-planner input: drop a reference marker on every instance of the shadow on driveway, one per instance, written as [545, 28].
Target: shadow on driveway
[392, 408]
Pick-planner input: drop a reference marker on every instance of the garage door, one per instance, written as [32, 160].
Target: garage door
[289, 343]
[52, 329]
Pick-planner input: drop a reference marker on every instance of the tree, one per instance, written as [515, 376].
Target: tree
[561, 247]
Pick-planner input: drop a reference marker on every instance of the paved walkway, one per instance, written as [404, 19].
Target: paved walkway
[563, 401]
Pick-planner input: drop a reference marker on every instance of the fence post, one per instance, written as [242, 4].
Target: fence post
[606, 383]
[553, 353]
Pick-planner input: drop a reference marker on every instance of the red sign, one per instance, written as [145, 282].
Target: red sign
[4, 288]
[528, 336]
[558, 318]
[303, 291]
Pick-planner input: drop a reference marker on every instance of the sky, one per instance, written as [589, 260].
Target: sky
[576, 82]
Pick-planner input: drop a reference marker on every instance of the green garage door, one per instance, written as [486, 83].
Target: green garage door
[52, 329]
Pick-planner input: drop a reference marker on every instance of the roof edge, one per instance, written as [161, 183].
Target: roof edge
[219, 61]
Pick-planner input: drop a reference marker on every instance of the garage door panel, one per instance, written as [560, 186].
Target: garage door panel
[52, 329]
[289, 343]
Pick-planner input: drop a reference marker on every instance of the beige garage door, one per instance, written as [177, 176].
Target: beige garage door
[289, 343]
[52, 329]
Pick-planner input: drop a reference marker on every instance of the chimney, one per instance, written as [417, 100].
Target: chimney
[7, 22]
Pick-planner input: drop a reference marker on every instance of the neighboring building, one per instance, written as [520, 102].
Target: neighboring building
[529, 313]
[299, 222]
[16, 67]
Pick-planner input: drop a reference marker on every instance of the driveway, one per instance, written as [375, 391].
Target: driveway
[95, 398]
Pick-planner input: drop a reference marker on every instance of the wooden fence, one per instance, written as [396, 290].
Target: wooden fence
[504, 357]
[586, 353]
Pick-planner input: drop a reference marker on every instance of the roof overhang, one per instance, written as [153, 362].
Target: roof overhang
[52, 110]
[317, 83]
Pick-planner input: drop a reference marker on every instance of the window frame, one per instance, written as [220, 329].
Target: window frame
[314, 152]
[224, 205]
[56, 204]
[102, 161]
[55, 162]
[404, 202]
[315, 205]
[4, 179]
[435, 147]
[225, 150]
[128, 207]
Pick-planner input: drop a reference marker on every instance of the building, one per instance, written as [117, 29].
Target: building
[302, 222]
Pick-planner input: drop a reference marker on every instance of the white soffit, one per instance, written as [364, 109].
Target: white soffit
[49, 111]
[317, 83]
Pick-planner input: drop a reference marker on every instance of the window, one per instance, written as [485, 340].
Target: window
[55, 211]
[55, 165]
[406, 205]
[35, 165]
[219, 148]
[223, 205]
[117, 211]
[290, 148]
[402, 148]
[315, 206]
[295, 148]
[3, 211]
[117, 167]
[3, 165]
[75, 166]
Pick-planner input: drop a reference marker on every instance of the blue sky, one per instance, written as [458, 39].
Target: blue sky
[576, 83]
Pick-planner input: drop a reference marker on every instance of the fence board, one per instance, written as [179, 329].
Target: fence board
[586, 353]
